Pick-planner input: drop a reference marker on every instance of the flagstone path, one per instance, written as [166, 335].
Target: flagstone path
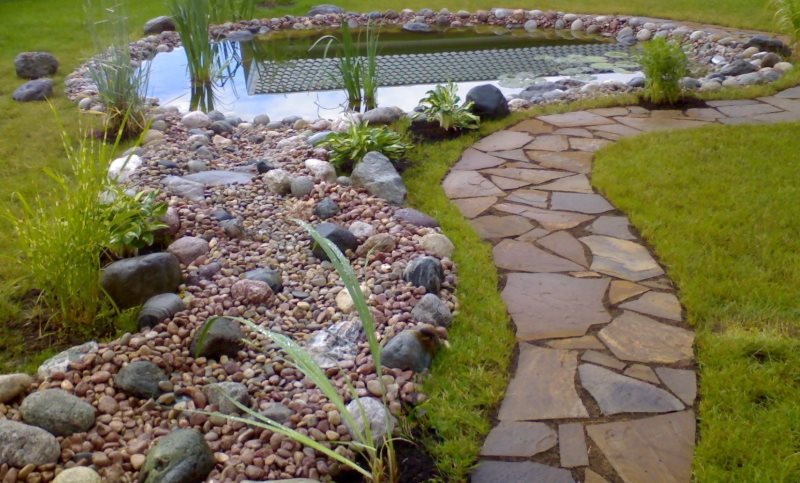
[605, 385]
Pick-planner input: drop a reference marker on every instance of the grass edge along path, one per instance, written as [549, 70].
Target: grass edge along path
[722, 216]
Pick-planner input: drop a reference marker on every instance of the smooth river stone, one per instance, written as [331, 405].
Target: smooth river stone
[472, 207]
[575, 119]
[532, 176]
[657, 304]
[572, 184]
[492, 226]
[469, 184]
[564, 244]
[577, 162]
[549, 142]
[580, 202]
[621, 258]
[472, 159]
[549, 219]
[520, 256]
[614, 226]
[503, 141]
[634, 337]
[616, 394]
[682, 382]
[657, 449]
[543, 387]
[527, 471]
[519, 439]
[220, 178]
[548, 305]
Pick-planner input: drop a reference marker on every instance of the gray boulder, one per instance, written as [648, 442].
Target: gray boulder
[380, 420]
[738, 67]
[140, 379]
[234, 228]
[425, 272]
[340, 237]
[377, 175]
[188, 249]
[770, 60]
[278, 181]
[224, 337]
[302, 186]
[35, 90]
[382, 115]
[159, 308]
[326, 208]
[221, 395]
[417, 27]
[132, 281]
[337, 343]
[268, 276]
[182, 456]
[191, 190]
[60, 362]
[488, 102]
[325, 9]
[34, 65]
[22, 445]
[769, 44]
[432, 310]
[155, 26]
[406, 351]
[416, 218]
[12, 385]
[58, 412]
[220, 177]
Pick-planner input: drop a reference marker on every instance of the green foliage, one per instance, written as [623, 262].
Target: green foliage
[192, 19]
[222, 11]
[443, 105]
[349, 147]
[132, 220]
[787, 17]
[357, 72]
[664, 64]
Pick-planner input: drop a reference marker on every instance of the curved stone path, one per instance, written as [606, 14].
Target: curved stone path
[605, 385]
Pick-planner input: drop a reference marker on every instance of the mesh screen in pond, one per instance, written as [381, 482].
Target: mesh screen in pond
[431, 68]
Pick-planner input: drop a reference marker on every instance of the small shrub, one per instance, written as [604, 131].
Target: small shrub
[349, 147]
[787, 16]
[664, 64]
[442, 105]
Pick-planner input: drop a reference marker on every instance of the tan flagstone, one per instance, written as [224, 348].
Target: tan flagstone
[491, 471]
[588, 145]
[591, 204]
[572, 445]
[573, 184]
[602, 359]
[511, 155]
[530, 197]
[658, 449]
[592, 477]
[574, 132]
[533, 235]
[657, 304]
[508, 183]
[661, 283]
[617, 394]
[682, 382]
[550, 305]
[575, 119]
[468, 184]
[472, 207]
[525, 257]
[549, 219]
[534, 176]
[503, 141]
[785, 116]
[634, 337]
[735, 121]
[607, 135]
[621, 258]
[542, 387]
[549, 142]
[586, 274]
[533, 126]
[492, 226]
[610, 111]
[659, 124]
[473, 160]
[575, 161]
[732, 102]
[614, 226]
[577, 343]
[791, 93]
[622, 290]
[564, 244]
[619, 129]
[748, 110]
[704, 114]
[667, 113]
[519, 439]
[642, 372]
[782, 102]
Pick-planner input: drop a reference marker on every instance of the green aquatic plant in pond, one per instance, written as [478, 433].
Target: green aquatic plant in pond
[192, 19]
[357, 72]
[664, 64]
[787, 16]
[443, 106]
[348, 148]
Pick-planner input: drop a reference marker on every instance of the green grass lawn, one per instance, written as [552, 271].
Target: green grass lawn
[720, 207]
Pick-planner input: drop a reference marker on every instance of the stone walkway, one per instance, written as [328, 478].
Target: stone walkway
[605, 385]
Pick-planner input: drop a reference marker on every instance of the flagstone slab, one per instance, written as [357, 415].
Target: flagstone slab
[493, 226]
[621, 258]
[791, 93]
[622, 290]
[618, 129]
[533, 126]
[613, 226]
[704, 114]
[531, 197]
[659, 124]
[644, 373]
[732, 102]
[564, 244]
[549, 142]
[577, 132]
[617, 394]
[575, 161]
[657, 304]
[610, 111]
[489, 471]
[784, 116]
[550, 306]
[526, 257]
[503, 141]
[530, 175]
[468, 184]
[521, 439]
[572, 445]
[473, 160]
[792, 105]
[682, 382]
[592, 477]
[748, 110]
[511, 155]
[658, 449]
[634, 337]
[472, 207]
[533, 235]
[588, 145]
[549, 219]
[577, 343]
[591, 204]
[542, 387]
[602, 359]
[575, 119]
[572, 184]
[508, 183]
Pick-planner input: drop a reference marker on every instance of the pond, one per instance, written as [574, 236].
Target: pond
[295, 74]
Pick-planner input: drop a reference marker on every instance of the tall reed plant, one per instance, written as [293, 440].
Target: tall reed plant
[357, 70]
[664, 64]
[192, 19]
[378, 452]
[787, 16]
[231, 10]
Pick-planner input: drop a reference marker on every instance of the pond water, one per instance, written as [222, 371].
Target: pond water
[291, 74]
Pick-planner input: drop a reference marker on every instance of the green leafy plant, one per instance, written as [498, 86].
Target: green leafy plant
[133, 221]
[443, 106]
[379, 453]
[357, 72]
[664, 64]
[349, 147]
[787, 16]
[231, 10]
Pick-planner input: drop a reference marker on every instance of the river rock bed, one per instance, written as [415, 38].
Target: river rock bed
[266, 271]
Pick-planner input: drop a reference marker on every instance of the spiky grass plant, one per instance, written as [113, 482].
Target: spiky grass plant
[664, 64]
[787, 17]
[379, 453]
[231, 10]
[358, 73]
[192, 19]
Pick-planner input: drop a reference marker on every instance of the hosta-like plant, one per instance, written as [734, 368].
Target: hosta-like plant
[348, 148]
[442, 105]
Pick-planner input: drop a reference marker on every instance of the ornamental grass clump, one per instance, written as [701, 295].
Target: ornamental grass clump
[377, 451]
[664, 64]
[192, 19]
[358, 73]
[787, 16]
[349, 147]
[231, 10]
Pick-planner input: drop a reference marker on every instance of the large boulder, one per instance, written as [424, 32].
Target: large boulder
[58, 412]
[411, 349]
[325, 9]
[140, 379]
[155, 26]
[22, 445]
[425, 272]
[488, 102]
[189, 248]
[383, 115]
[738, 67]
[159, 308]
[380, 420]
[132, 281]
[35, 90]
[335, 344]
[769, 44]
[340, 237]
[378, 175]
[182, 456]
[33, 65]
[432, 310]
[224, 337]
[121, 169]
